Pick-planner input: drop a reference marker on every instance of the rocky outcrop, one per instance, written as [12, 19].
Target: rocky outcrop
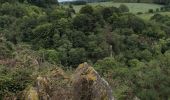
[84, 84]
[88, 85]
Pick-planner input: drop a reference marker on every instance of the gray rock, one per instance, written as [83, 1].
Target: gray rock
[84, 84]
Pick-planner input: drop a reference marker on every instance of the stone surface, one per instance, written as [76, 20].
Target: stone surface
[84, 84]
[88, 85]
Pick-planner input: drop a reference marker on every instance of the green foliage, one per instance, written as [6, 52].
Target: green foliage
[123, 8]
[79, 39]
[43, 3]
[42, 35]
[84, 22]
[86, 10]
[51, 56]
[106, 65]
[108, 11]
[9, 1]
[131, 52]
[141, 79]
[128, 21]
[57, 14]
[5, 21]
[76, 56]
[143, 7]
[6, 49]
[14, 80]
[166, 2]
[150, 11]
[15, 10]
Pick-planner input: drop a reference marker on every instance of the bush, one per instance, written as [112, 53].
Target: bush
[6, 49]
[6, 21]
[13, 81]
[106, 65]
[76, 56]
[123, 8]
[9, 1]
[167, 8]
[139, 13]
[150, 11]
[157, 10]
[51, 56]
[86, 9]
[162, 8]
[12, 10]
[107, 12]
[84, 23]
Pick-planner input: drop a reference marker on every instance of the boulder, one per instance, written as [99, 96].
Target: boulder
[84, 84]
[88, 85]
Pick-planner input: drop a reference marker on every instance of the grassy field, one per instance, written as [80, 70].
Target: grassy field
[133, 7]
[147, 16]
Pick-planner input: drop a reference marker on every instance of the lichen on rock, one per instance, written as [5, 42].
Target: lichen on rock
[84, 84]
[88, 85]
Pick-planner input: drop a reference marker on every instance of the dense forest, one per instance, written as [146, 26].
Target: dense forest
[146, 1]
[131, 53]
[163, 2]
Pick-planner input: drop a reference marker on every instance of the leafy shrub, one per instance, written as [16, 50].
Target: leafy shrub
[150, 11]
[162, 8]
[86, 10]
[123, 8]
[84, 22]
[13, 81]
[51, 56]
[157, 10]
[139, 13]
[12, 10]
[6, 21]
[6, 49]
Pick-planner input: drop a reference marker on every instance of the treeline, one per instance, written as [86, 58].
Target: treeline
[165, 2]
[134, 1]
[145, 1]
[40, 3]
[83, 2]
[74, 2]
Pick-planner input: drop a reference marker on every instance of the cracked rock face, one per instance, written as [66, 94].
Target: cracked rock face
[88, 85]
[84, 84]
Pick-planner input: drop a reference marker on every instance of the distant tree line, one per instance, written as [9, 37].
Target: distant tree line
[166, 2]
[40, 3]
[81, 2]
[146, 1]
[75, 2]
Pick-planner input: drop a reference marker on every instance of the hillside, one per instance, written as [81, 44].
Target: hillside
[133, 7]
[42, 43]
[163, 2]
